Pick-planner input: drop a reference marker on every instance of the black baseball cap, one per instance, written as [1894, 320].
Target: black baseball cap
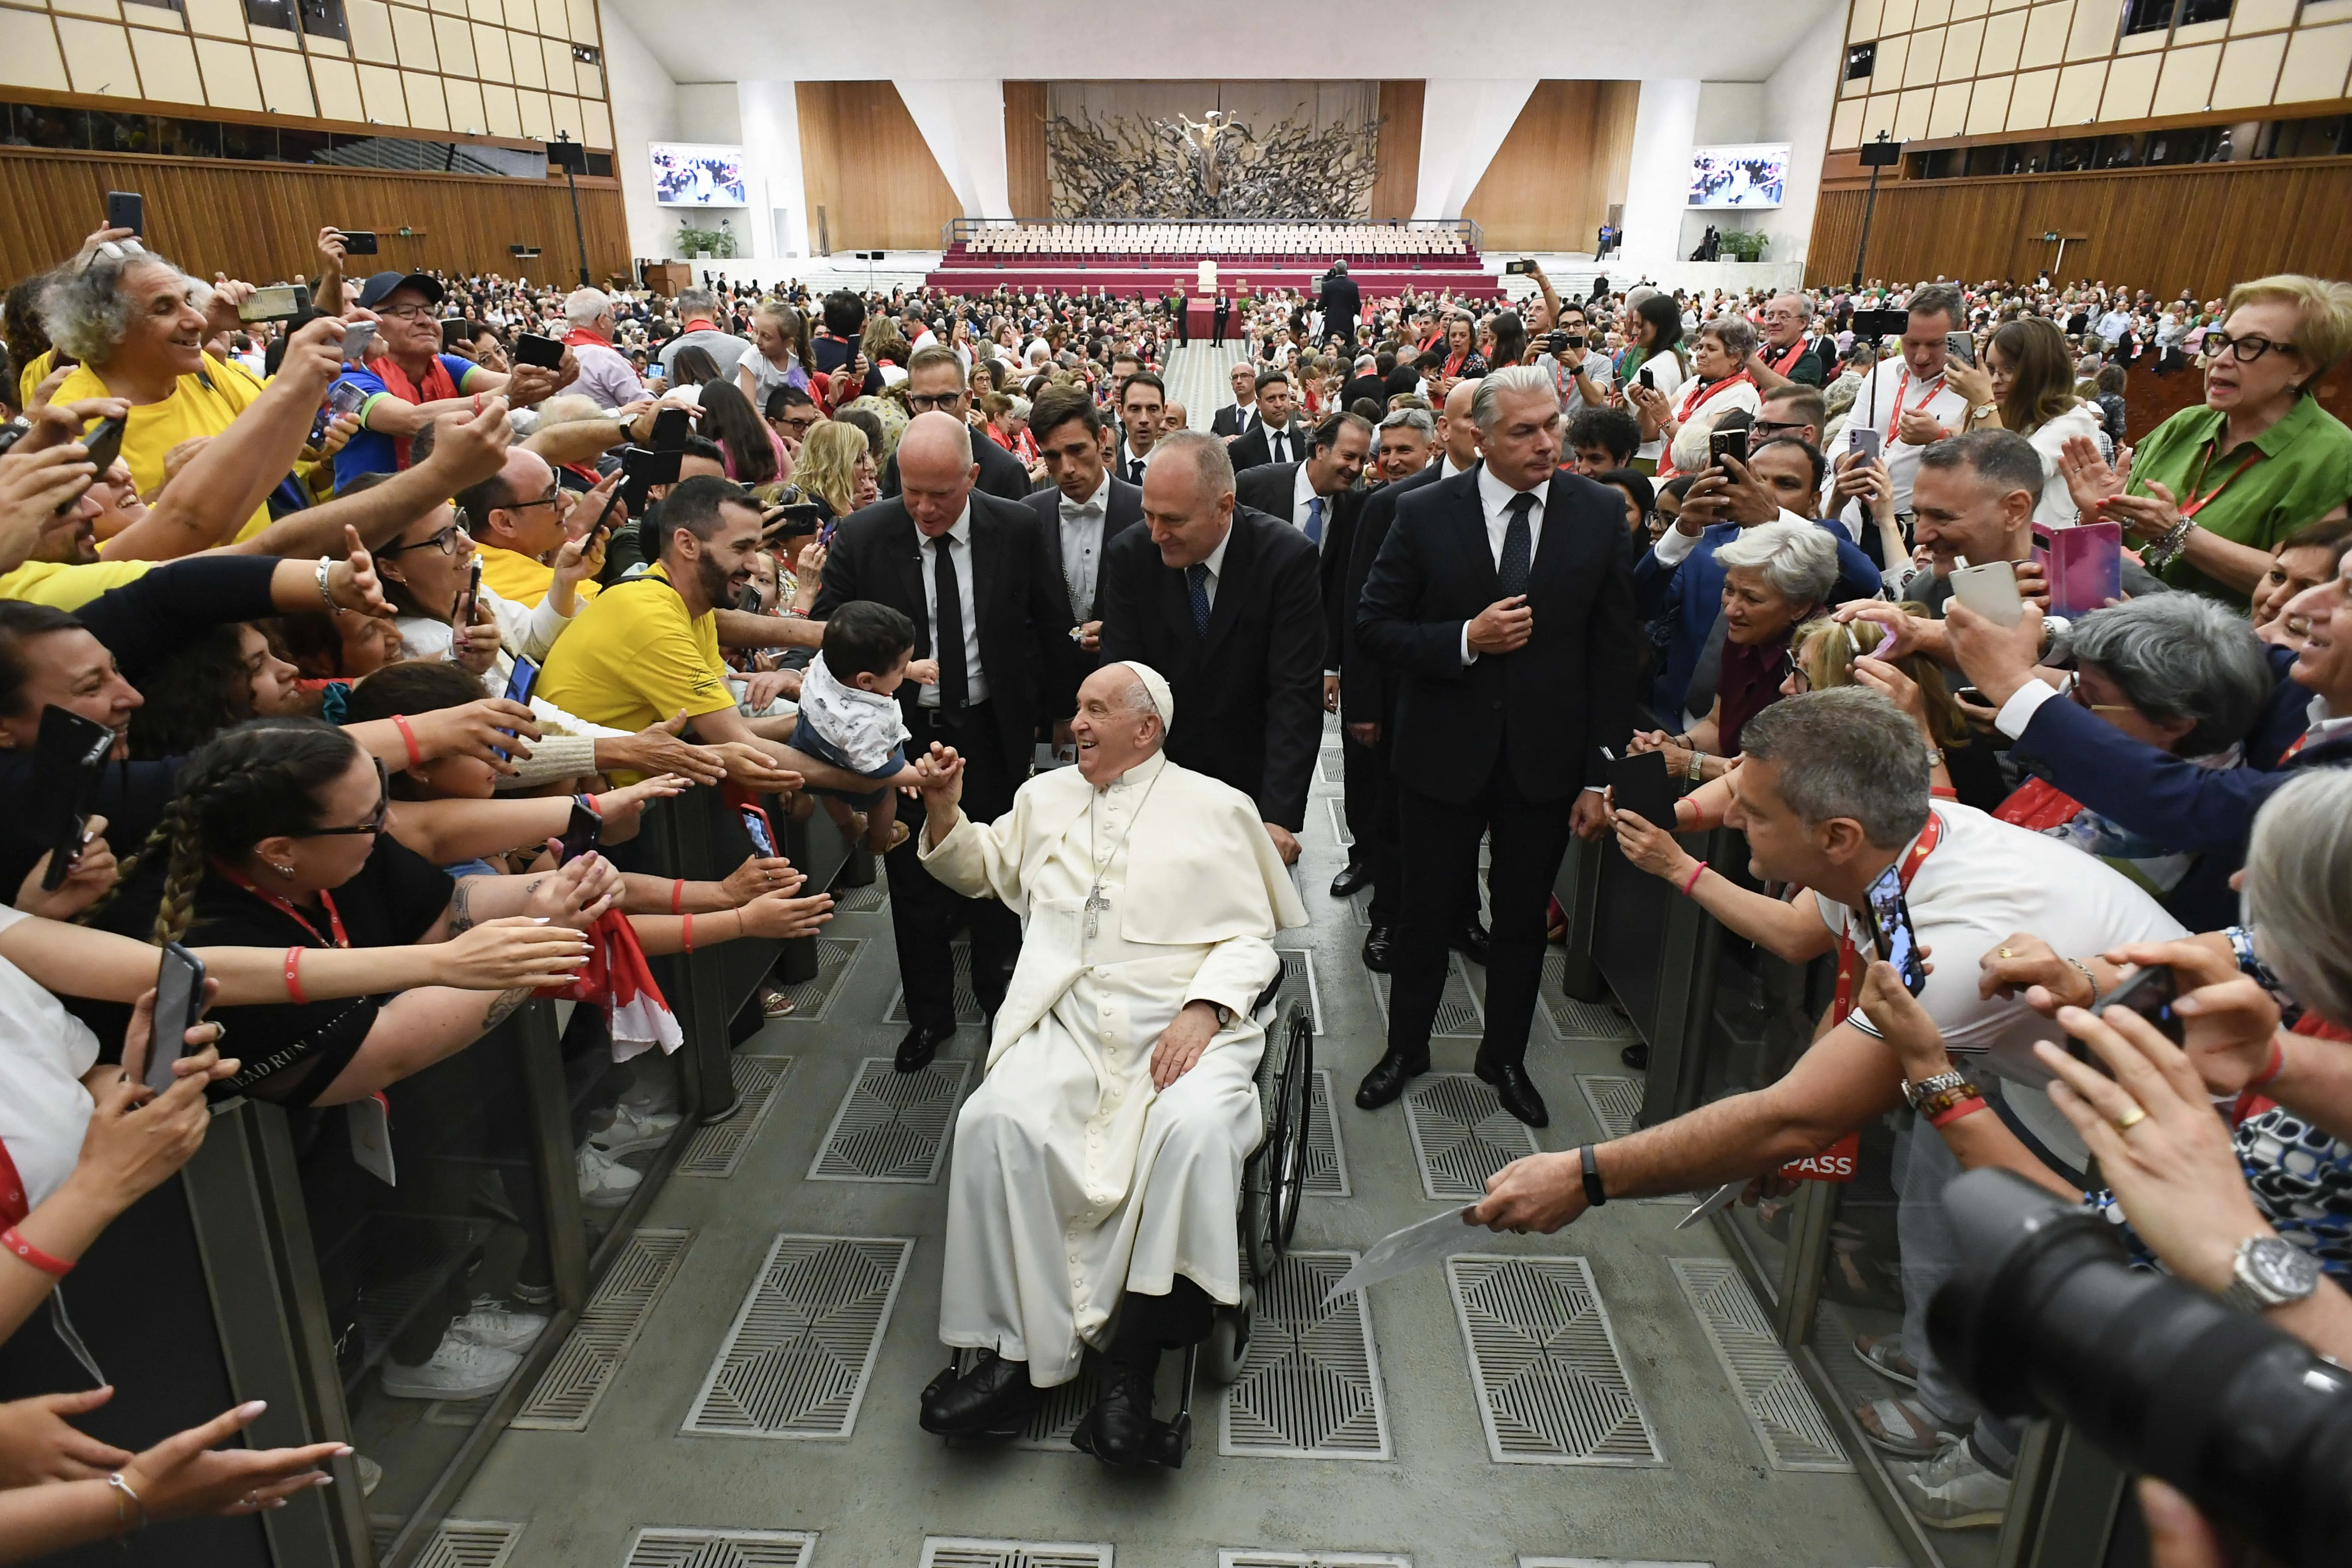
[378, 287]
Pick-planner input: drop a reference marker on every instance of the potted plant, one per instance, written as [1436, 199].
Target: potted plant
[1744, 244]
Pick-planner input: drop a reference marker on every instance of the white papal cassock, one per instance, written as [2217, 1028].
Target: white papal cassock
[1074, 1180]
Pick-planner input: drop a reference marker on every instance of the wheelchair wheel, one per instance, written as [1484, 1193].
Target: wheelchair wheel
[1294, 1091]
[1229, 1336]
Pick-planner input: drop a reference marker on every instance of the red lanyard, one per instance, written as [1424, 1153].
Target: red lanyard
[1920, 849]
[2192, 503]
[1698, 395]
[286, 907]
[1894, 422]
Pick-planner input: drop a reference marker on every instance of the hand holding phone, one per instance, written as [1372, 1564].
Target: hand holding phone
[1886, 917]
[1990, 590]
[179, 1005]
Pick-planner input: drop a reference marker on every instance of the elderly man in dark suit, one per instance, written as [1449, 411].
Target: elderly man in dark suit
[967, 569]
[936, 384]
[1340, 302]
[1227, 603]
[1078, 516]
[1503, 600]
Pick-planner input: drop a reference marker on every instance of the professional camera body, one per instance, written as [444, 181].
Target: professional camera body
[2046, 1316]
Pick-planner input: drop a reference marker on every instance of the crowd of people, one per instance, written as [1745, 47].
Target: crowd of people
[344, 604]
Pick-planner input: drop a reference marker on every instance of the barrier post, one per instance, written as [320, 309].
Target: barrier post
[1578, 889]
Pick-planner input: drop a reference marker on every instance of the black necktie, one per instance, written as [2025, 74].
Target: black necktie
[1275, 443]
[1511, 572]
[947, 636]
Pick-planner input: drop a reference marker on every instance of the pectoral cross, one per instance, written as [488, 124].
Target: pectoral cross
[1095, 905]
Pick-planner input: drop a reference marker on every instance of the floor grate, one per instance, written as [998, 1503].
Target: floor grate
[813, 998]
[1616, 1102]
[1360, 903]
[1461, 1134]
[717, 1149]
[798, 1358]
[1298, 984]
[1337, 810]
[1460, 1014]
[1795, 1434]
[1527, 1562]
[1310, 1384]
[1327, 1157]
[1229, 1559]
[1330, 761]
[470, 1543]
[659, 1546]
[1552, 1388]
[963, 1552]
[862, 900]
[1574, 1020]
[1056, 1415]
[574, 1382]
[892, 1126]
[967, 1000]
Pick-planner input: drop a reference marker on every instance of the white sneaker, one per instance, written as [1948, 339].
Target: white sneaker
[634, 1129]
[605, 1182]
[1954, 1490]
[460, 1368]
[498, 1328]
[653, 1094]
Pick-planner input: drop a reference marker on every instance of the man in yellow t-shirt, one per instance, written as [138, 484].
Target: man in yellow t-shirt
[518, 517]
[201, 404]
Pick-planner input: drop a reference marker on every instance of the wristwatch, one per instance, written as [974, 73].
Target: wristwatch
[1984, 411]
[2270, 1271]
[1915, 1093]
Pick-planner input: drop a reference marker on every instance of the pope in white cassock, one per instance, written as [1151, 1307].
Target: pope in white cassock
[1101, 1157]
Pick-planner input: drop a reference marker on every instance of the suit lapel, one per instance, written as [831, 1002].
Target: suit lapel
[1470, 532]
[1241, 554]
[906, 549]
[987, 547]
[1552, 550]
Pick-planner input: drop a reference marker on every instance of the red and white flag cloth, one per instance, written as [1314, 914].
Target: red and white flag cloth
[617, 978]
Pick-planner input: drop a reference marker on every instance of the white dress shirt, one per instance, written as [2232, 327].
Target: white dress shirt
[1082, 537]
[1126, 457]
[1495, 497]
[1288, 451]
[926, 551]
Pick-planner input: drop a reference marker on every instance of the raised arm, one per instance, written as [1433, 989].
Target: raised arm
[467, 450]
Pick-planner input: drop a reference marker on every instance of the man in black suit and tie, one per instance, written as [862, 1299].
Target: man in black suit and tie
[1341, 302]
[966, 568]
[1218, 317]
[1078, 515]
[1503, 600]
[1273, 436]
[1142, 410]
[1225, 603]
[1239, 418]
[1318, 498]
[935, 383]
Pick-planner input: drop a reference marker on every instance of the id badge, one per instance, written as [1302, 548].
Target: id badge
[370, 1121]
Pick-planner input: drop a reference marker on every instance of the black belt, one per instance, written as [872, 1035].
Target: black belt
[951, 718]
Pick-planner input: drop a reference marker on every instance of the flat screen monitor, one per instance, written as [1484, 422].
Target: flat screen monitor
[693, 175]
[1752, 176]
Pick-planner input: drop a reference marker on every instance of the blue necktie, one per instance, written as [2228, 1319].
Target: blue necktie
[1315, 520]
[1511, 572]
[1196, 581]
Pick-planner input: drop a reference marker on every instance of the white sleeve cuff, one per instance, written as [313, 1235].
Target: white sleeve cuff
[2020, 707]
[1672, 546]
[1469, 655]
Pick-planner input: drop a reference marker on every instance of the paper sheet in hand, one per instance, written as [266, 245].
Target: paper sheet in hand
[1402, 1251]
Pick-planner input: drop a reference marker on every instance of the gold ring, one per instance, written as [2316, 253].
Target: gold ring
[2130, 1118]
[2004, 952]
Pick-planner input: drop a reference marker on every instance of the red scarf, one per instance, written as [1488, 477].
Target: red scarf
[581, 337]
[435, 386]
[1796, 352]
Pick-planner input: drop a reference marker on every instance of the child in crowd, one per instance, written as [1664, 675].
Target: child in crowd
[849, 716]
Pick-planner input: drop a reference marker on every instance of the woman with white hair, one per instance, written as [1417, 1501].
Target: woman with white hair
[1717, 385]
[1776, 576]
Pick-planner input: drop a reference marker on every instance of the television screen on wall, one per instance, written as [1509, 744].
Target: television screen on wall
[690, 175]
[1753, 175]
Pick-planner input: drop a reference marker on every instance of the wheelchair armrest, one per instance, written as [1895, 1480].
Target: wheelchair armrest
[1273, 988]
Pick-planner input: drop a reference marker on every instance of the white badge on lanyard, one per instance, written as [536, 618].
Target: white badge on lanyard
[370, 1121]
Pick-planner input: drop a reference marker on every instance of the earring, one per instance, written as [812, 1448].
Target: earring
[284, 871]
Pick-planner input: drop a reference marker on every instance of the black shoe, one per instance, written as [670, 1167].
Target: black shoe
[921, 1044]
[992, 1397]
[1471, 942]
[1380, 947]
[1513, 1088]
[1117, 1430]
[1386, 1081]
[1635, 1056]
[1351, 878]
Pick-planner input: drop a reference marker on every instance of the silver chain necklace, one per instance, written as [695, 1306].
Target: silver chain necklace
[1095, 903]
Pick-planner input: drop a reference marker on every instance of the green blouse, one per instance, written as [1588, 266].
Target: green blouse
[2304, 471]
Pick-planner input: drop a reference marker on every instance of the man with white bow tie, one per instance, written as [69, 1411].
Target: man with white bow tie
[1079, 514]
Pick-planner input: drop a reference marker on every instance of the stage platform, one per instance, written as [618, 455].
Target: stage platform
[1468, 279]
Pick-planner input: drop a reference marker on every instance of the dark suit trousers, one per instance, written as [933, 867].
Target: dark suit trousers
[923, 914]
[1364, 770]
[1440, 855]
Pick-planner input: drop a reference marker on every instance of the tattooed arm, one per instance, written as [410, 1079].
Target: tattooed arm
[416, 1029]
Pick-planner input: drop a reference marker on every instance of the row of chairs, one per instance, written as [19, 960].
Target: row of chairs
[1327, 239]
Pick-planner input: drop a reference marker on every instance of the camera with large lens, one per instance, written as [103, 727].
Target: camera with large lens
[2046, 1316]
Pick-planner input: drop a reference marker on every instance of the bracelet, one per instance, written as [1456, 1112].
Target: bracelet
[2088, 979]
[2276, 1065]
[1926, 1089]
[1595, 1195]
[294, 976]
[122, 1489]
[677, 896]
[326, 597]
[689, 933]
[1691, 880]
[55, 1267]
[2166, 551]
[1697, 763]
[408, 738]
[1953, 1113]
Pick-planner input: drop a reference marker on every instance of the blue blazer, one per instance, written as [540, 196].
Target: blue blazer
[1692, 589]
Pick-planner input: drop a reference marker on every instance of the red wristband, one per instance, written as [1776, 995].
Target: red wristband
[55, 1267]
[1691, 880]
[408, 738]
[689, 933]
[294, 977]
[2276, 1065]
[677, 896]
[1951, 1113]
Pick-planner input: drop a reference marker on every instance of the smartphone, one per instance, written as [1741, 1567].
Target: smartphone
[104, 442]
[452, 333]
[755, 823]
[127, 209]
[1519, 268]
[1643, 786]
[2082, 565]
[179, 1001]
[795, 520]
[1887, 919]
[1649, 383]
[1722, 444]
[356, 338]
[518, 684]
[672, 425]
[67, 758]
[1960, 346]
[278, 302]
[462, 614]
[2150, 993]
[1990, 590]
[532, 349]
[1864, 439]
[580, 835]
[650, 466]
[748, 599]
[359, 242]
[1969, 695]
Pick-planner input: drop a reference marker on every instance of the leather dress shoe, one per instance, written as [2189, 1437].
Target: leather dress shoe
[1514, 1089]
[1386, 1081]
[920, 1045]
[1352, 877]
[1635, 1056]
[1117, 1430]
[990, 1397]
[1379, 948]
[1471, 942]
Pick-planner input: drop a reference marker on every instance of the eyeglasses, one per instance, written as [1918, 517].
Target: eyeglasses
[403, 312]
[446, 541]
[552, 498]
[1772, 427]
[924, 403]
[2074, 690]
[2245, 350]
[376, 819]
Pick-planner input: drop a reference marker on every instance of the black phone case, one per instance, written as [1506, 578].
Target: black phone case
[1643, 787]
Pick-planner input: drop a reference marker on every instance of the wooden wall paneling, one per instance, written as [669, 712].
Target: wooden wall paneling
[866, 164]
[256, 221]
[2200, 227]
[1396, 176]
[1548, 186]
[1027, 180]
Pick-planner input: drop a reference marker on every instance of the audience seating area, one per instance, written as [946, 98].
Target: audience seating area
[1356, 241]
[1125, 258]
